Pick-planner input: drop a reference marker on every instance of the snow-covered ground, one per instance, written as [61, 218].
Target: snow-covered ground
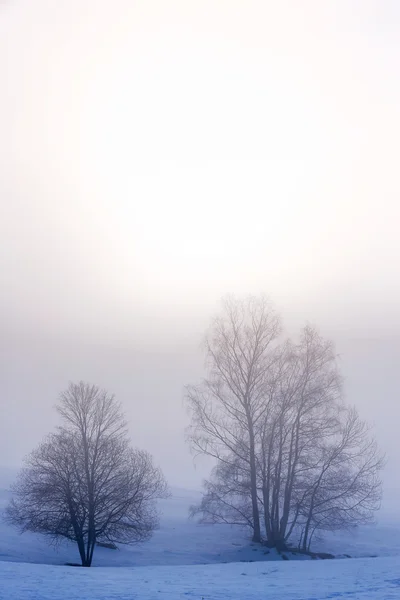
[178, 541]
[358, 579]
[182, 541]
[188, 560]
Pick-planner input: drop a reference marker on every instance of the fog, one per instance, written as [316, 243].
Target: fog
[158, 155]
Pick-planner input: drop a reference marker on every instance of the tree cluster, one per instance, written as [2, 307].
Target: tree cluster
[291, 458]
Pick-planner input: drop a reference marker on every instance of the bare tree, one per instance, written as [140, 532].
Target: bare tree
[227, 497]
[303, 408]
[343, 487]
[290, 455]
[84, 482]
[228, 406]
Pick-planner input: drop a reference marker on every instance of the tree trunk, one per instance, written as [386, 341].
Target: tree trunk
[267, 517]
[253, 483]
[267, 454]
[307, 530]
[81, 548]
[291, 471]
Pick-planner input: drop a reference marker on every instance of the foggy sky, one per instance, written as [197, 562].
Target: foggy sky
[158, 155]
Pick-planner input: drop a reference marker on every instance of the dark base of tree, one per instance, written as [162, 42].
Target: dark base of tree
[314, 555]
[280, 545]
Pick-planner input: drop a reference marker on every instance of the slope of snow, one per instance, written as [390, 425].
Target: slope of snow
[181, 541]
[359, 579]
[178, 541]
[187, 560]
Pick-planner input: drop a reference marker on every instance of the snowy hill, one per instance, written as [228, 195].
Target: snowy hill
[182, 541]
[184, 560]
[178, 541]
[359, 579]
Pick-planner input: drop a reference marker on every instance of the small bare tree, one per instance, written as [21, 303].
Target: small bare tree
[227, 496]
[343, 488]
[84, 482]
[228, 406]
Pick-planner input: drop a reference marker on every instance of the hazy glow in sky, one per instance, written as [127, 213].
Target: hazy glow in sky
[157, 155]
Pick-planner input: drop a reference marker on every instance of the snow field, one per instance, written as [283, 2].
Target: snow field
[358, 579]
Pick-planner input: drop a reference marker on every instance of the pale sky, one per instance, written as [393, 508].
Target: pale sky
[156, 155]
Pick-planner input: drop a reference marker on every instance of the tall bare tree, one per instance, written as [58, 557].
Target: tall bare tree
[84, 482]
[227, 407]
[303, 408]
[290, 455]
